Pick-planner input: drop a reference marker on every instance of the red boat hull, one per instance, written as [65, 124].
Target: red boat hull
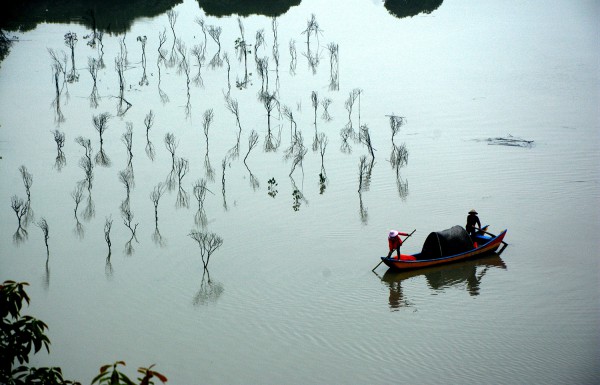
[405, 263]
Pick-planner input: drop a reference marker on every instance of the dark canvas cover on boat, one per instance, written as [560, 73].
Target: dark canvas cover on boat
[438, 244]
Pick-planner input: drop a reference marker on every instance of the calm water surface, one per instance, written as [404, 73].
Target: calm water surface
[291, 297]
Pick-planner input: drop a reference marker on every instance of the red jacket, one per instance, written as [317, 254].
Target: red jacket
[396, 242]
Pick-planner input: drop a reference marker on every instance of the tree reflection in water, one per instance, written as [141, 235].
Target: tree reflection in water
[209, 291]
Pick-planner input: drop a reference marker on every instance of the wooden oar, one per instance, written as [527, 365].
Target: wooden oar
[485, 232]
[402, 243]
[490, 234]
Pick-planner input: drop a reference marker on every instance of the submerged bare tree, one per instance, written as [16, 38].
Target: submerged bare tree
[242, 49]
[127, 139]
[364, 137]
[107, 226]
[348, 131]
[226, 60]
[399, 155]
[27, 182]
[59, 65]
[323, 175]
[365, 170]
[77, 195]
[325, 104]
[20, 208]
[71, 42]
[93, 67]
[99, 39]
[208, 242]
[259, 41]
[334, 64]
[144, 80]
[223, 166]
[149, 122]
[312, 29]
[182, 166]
[262, 67]
[200, 22]
[198, 53]
[61, 160]
[42, 224]
[86, 162]
[314, 98]
[120, 63]
[123, 50]
[200, 190]
[296, 151]
[293, 56]
[101, 125]
[162, 52]
[252, 142]
[126, 177]
[396, 123]
[207, 119]
[87, 165]
[127, 216]
[274, 25]
[215, 33]
[270, 102]
[155, 196]
[171, 144]
[364, 181]
[184, 67]
[233, 107]
[289, 115]
[172, 16]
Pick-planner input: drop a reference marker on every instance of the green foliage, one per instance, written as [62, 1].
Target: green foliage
[149, 374]
[24, 375]
[110, 375]
[19, 334]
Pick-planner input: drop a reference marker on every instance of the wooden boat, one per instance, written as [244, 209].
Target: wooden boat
[448, 246]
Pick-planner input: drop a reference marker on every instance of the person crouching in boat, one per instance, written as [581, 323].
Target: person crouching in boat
[472, 220]
[394, 241]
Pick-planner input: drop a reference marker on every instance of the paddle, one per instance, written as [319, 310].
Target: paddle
[490, 234]
[485, 232]
[402, 243]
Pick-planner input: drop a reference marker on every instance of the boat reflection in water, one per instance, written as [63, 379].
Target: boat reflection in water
[467, 274]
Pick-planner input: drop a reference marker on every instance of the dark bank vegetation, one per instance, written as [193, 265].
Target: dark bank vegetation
[410, 8]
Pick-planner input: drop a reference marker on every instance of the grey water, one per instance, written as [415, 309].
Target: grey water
[500, 102]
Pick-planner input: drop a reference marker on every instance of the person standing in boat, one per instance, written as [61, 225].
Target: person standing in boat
[394, 242]
[472, 220]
